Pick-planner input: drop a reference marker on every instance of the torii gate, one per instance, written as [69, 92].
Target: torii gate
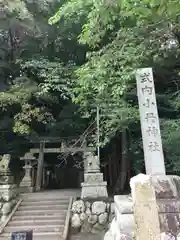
[62, 149]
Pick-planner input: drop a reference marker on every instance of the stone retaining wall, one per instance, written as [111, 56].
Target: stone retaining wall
[93, 216]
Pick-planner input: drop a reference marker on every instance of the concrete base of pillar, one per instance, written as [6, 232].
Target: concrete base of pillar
[168, 204]
[94, 190]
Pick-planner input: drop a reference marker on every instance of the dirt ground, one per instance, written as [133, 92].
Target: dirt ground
[87, 236]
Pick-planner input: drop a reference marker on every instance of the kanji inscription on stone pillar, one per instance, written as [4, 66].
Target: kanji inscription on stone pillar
[152, 143]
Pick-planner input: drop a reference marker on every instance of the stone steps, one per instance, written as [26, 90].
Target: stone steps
[44, 203]
[39, 218]
[43, 207]
[47, 199]
[35, 228]
[53, 212]
[37, 236]
[32, 222]
[44, 196]
[45, 214]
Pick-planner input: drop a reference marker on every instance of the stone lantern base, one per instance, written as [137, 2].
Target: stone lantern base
[94, 186]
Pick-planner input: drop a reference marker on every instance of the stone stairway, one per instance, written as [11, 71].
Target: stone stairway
[45, 214]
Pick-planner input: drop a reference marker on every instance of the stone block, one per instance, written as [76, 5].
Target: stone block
[123, 204]
[125, 223]
[103, 218]
[170, 222]
[92, 219]
[93, 191]
[87, 204]
[98, 207]
[83, 217]
[6, 177]
[168, 205]
[26, 189]
[167, 197]
[7, 207]
[75, 221]
[166, 186]
[78, 206]
[8, 192]
[124, 237]
[93, 177]
[86, 228]
[167, 236]
[169, 216]
[97, 228]
[26, 184]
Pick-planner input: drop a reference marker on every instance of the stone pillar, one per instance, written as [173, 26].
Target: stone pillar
[26, 183]
[8, 189]
[40, 167]
[151, 135]
[33, 176]
[44, 178]
[93, 185]
[145, 208]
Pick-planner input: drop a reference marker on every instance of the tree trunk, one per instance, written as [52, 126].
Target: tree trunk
[121, 180]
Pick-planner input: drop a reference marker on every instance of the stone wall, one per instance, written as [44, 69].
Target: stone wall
[91, 216]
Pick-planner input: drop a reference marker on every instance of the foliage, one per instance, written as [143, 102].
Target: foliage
[53, 76]
[123, 36]
[37, 63]
[171, 139]
[87, 56]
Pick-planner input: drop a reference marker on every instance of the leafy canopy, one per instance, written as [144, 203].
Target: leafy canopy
[123, 36]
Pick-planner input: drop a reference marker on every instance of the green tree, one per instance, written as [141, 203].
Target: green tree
[123, 36]
[37, 65]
